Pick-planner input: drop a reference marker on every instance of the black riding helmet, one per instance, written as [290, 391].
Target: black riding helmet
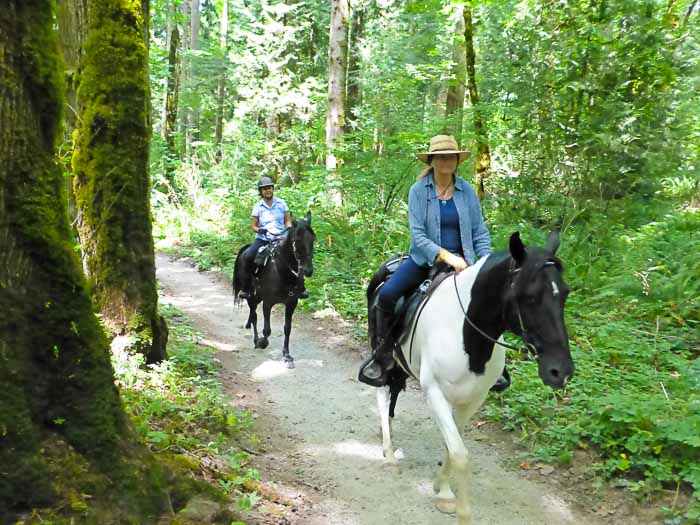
[263, 182]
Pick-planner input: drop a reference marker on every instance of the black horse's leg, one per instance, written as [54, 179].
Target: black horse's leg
[267, 308]
[288, 313]
[253, 320]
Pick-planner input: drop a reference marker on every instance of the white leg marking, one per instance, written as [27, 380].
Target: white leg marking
[458, 456]
[383, 400]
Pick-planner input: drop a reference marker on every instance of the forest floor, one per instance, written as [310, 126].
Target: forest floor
[319, 451]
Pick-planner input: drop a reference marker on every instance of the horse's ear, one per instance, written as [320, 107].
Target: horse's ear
[553, 242]
[294, 219]
[308, 217]
[517, 248]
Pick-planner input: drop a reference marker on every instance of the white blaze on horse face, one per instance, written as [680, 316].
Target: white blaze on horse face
[555, 289]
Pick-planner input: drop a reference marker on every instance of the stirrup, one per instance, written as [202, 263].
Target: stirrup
[383, 378]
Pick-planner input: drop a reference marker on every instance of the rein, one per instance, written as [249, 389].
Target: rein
[529, 346]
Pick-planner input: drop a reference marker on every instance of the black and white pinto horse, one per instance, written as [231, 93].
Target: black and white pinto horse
[279, 282]
[451, 348]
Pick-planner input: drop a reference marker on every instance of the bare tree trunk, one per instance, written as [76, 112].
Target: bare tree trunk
[357, 29]
[482, 167]
[221, 84]
[111, 162]
[192, 113]
[337, 67]
[58, 399]
[454, 108]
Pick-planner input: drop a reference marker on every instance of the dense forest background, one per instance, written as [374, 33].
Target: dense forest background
[579, 114]
[583, 115]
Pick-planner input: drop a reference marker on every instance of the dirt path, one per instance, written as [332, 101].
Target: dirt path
[320, 445]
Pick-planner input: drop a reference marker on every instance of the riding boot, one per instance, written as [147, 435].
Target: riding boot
[375, 371]
[502, 382]
[246, 280]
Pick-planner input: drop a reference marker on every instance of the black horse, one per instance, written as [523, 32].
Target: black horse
[281, 280]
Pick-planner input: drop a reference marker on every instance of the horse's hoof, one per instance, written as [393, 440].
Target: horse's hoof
[262, 343]
[446, 506]
[289, 363]
[391, 462]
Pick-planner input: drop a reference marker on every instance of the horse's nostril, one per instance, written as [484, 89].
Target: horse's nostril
[554, 372]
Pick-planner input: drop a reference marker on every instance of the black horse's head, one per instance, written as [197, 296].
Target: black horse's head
[535, 307]
[302, 236]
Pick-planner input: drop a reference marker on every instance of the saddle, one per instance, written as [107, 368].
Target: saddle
[265, 253]
[407, 307]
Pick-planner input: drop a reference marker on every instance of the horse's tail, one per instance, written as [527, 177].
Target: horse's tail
[236, 281]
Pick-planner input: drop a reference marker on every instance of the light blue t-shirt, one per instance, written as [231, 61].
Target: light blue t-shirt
[270, 217]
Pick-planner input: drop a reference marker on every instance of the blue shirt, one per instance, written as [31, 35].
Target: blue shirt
[449, 227]
[271, 217]
[424, 222]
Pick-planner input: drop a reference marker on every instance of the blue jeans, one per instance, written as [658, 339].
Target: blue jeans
[406, 279]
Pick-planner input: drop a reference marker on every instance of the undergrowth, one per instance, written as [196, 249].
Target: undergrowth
[179, 410]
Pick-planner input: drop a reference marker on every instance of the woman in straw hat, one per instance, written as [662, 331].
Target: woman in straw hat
[446, 225]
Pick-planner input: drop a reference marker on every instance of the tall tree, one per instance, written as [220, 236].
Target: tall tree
[72, 20]
[192, 110]
[454, 107]
[357, 29]
[58, 397]
[111, 163]
[221, 82]
[171, 91]
[482, 167]
[337, 69]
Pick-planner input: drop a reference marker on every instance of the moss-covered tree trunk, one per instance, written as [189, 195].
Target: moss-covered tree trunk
[72, 23]
[111, 164]
[58, 395]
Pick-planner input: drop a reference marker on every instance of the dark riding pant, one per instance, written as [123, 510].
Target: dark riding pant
[404, 280]
[252, 250]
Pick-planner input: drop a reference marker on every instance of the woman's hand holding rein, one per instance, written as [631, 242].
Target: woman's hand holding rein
[458, 263]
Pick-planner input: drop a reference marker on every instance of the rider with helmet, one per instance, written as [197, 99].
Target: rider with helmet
[271, 219]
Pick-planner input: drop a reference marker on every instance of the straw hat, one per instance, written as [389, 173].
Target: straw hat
[444, 145]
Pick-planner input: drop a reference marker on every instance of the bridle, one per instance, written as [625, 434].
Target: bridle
[530, 347]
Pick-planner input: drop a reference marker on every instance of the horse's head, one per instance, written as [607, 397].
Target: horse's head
[302, 236]
[535, 307]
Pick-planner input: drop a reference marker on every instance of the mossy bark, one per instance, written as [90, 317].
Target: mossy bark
[55, 371]
[111, 164]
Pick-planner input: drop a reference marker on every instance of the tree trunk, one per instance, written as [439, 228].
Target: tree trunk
[454, 107]
[172, 92]
[192, 112]
[482, 163]
[58, 397]
[72, 21]
[111, 163]
[337, 67]
[357, 29]
[221, 83]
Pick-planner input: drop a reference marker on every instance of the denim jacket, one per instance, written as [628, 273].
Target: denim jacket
[424, 222]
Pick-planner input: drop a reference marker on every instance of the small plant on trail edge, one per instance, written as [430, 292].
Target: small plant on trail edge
[180, 412]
